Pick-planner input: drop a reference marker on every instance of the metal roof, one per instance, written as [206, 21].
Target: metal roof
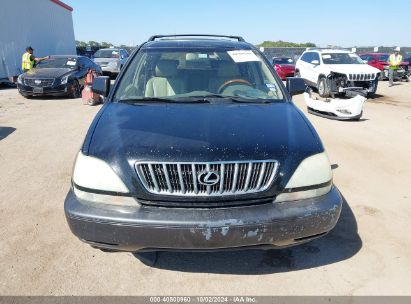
[62, 4]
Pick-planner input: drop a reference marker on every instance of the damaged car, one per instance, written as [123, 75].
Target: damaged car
[199, 147]
[337, 72]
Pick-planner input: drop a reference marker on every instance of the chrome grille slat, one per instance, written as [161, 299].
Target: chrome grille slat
[182, 179]
[193, 172]
[208, 187]
[235, 178]
[153, 177]
[44, 82]
[167, 178]
[222, 173]
[247, 180]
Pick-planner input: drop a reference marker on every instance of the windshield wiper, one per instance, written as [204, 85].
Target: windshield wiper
[161, 99]
[214, 98]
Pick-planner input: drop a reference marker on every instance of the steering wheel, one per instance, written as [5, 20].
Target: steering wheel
[230, 82]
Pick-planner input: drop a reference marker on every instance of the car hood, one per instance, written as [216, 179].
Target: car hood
[352, 68]
[126, 134]
[48, 72]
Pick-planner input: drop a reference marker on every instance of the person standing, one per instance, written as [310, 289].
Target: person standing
[28, 60]
[394, 62]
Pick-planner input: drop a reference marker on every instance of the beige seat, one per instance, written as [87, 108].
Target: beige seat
[165, 81]
[226, 70]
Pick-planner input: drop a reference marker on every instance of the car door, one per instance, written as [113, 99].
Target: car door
[315, 66]
[303, 65]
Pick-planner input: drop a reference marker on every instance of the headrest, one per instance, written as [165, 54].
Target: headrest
[166, 68]
[191, 56]
[227, 68]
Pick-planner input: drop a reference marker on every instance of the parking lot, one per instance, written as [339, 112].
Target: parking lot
[367, 253]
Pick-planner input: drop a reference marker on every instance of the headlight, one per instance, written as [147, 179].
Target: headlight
[312, 178]
[94, 174]
[116, 200]
[20, 79]
[64, 79]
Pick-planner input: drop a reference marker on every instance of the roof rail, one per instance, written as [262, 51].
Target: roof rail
[155, 37]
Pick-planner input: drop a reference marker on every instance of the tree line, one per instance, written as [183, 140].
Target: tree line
[281, 43]
[95, 44]
[267, 43]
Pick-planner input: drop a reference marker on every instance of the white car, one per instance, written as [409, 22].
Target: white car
[111, 60]
[335, 72]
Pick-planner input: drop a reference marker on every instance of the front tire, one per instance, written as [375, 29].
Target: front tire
[374, 87]
[323, 89]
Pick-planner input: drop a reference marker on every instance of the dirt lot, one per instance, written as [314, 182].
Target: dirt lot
[367, 253]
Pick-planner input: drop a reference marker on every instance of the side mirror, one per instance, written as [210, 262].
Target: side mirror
[101, 85]
[295, 85]
[316, 62]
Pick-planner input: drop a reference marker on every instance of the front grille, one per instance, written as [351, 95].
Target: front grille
[359, 77]
[187, 179]
[44, 82]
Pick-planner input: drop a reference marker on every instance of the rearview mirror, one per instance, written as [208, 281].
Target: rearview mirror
[101, 85]
[295, 85]
[316, 62]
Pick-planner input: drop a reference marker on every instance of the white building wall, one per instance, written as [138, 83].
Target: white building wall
[41, 24]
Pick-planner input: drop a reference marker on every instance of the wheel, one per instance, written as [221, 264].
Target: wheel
[147, 258]
[374, 87]
[76, 93]
[323, 89]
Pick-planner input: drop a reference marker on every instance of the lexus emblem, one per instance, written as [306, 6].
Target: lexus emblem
[208, 178]
[37, 81]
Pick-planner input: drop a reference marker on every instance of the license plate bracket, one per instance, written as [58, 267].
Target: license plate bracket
[37, 90]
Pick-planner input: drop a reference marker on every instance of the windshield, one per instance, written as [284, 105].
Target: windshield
[106, 54]
[384, 57]
[181, 75]
[63, 62]
[283, 61]
[341, 58]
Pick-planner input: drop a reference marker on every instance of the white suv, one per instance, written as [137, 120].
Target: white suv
[337, 72]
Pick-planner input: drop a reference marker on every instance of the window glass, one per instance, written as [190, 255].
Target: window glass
[58, 62]
[183, 74]
[341, 58]
[107, 53]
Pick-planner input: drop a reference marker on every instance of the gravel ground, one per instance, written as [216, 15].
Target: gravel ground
[366, 254]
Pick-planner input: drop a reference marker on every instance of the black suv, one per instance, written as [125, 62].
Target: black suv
[200, 147]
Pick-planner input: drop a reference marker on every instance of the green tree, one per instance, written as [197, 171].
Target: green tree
[94, 43]
[281, 43]
[106, 44]
[81, 44]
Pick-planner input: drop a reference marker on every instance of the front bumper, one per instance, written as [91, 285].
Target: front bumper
[59, 90]
[144, 228]
[110, 70]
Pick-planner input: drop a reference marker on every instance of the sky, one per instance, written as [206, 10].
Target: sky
[324, 22]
